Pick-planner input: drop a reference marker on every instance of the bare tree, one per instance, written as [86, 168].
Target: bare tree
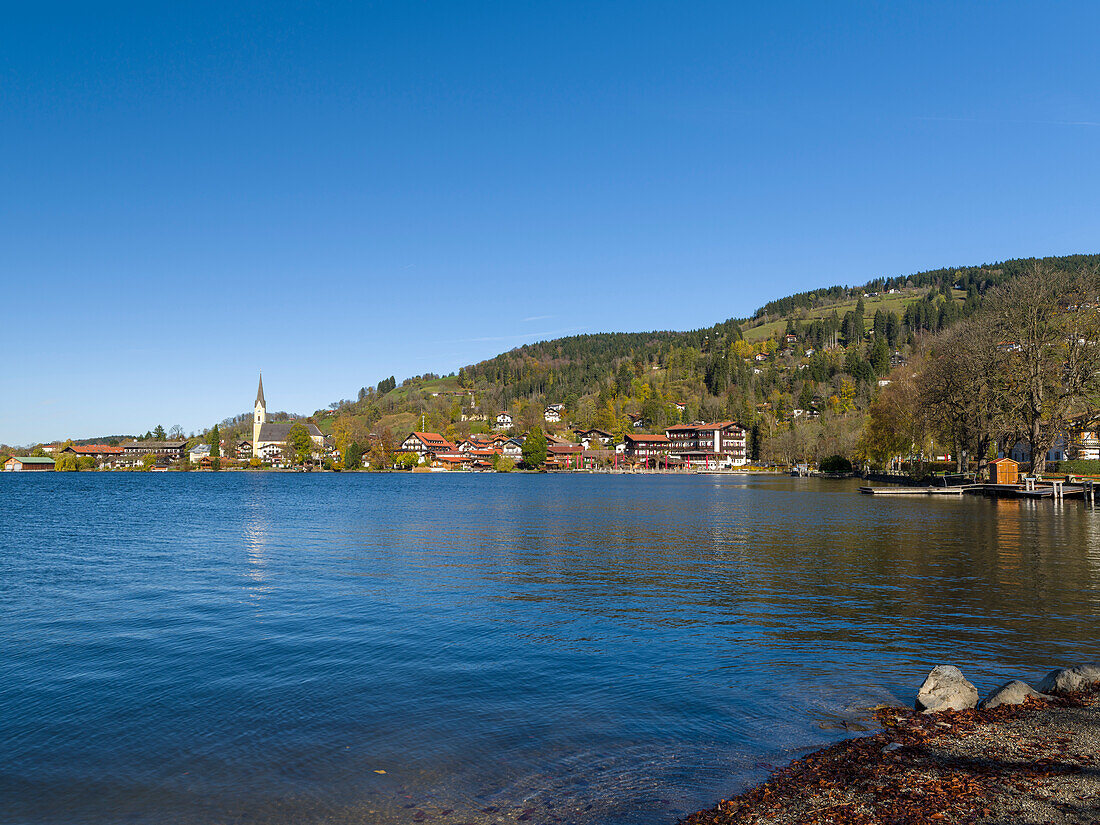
[963, 387]
[1049, 324]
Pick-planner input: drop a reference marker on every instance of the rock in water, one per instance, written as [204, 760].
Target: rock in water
[946, 689]
[1011, 693]
[1071, 679]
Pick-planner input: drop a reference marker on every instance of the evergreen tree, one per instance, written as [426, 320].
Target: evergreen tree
[159, 433]
[214, 439]
[806, 396]
[880, 356]
[353, 456]
[534, 448]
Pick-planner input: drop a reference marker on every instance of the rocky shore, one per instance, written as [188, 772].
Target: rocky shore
[1022, 755]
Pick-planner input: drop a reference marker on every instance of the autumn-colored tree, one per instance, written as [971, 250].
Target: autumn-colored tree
[66, 463]
[897, 423]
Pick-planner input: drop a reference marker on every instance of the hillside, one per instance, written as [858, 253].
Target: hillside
[813, 357]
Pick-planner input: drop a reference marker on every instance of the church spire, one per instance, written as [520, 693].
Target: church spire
[260, 393]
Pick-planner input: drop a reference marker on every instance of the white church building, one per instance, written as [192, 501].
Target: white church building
[269, 437]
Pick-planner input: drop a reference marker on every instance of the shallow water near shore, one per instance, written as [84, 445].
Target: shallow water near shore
[185, 648]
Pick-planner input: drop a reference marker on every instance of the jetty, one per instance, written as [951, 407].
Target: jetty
[912, 491]
[1028, 488]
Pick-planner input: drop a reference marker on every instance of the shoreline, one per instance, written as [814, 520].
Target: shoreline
[1033, 760]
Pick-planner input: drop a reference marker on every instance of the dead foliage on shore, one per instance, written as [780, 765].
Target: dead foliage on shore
[1032, 763]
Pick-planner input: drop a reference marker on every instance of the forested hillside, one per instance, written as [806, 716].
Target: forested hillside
[814, 358]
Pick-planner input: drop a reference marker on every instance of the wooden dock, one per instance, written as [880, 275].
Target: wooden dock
[1030, 491]
[913, 491]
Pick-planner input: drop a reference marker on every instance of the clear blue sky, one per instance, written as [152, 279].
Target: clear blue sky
[338, 193]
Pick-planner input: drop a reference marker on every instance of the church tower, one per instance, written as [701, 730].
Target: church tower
[260, 416]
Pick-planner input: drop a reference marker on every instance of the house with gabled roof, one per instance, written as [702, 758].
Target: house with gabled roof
[426, 444]
[513, 449]
[24, 463]
[594, 436]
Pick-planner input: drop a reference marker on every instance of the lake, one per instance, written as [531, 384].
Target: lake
[259, 648]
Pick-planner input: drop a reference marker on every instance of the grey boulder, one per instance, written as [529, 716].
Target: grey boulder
[946, 689]
[1011, 693]
[1071, 679]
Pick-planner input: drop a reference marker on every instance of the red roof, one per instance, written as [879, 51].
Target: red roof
[95, 449]
[451, 458]
[564, 449]
[647, 437]
[434, 440]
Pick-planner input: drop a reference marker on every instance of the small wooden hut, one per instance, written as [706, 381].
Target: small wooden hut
[1004, 471]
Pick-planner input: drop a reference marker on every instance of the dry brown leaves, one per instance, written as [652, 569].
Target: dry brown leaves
[856, 782]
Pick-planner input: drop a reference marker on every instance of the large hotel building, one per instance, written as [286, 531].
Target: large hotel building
[722, 443]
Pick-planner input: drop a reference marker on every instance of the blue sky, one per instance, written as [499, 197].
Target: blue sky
[337, 193]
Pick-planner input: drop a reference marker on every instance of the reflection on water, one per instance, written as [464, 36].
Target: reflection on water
[256, 529]
[221, 647]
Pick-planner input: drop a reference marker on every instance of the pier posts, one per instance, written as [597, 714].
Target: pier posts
[1057, 489]
[1089, 490]
[1029, 484]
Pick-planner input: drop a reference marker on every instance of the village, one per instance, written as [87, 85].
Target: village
[298, 444]
[295, 444]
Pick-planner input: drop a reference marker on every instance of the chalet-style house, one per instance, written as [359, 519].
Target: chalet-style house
[564, 456]
[644, 446]
[595, 438]
[553, 413]
[269, 437]
[27, 463]
[723, 443]
[244, 450]
[513, 449]
[426, 445]
[504, 420]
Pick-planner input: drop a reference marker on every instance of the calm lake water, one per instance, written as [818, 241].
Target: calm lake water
[256, 648]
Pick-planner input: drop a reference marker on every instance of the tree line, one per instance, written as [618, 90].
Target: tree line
[1025, 368]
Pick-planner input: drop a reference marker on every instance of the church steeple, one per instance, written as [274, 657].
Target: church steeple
[260, 417]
